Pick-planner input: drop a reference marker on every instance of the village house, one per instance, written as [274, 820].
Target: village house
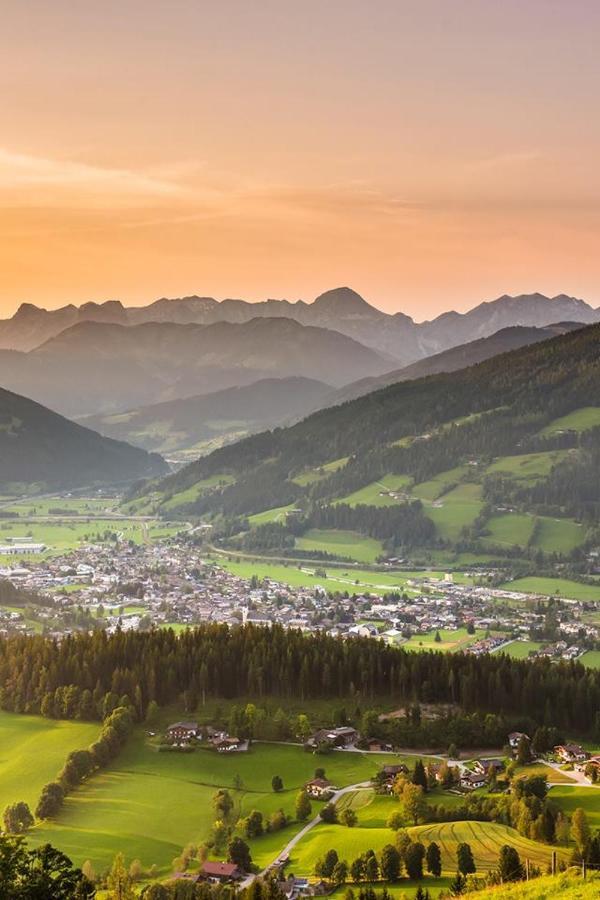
[220, 872]
[227, 744]
[470, 781]
[570, 753]
[514, 739]
[388, 775]
[374, 745]
[343, 736]
[182, 731]
[319, 788]
[485, 767]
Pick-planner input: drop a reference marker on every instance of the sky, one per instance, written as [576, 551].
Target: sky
[429, 154]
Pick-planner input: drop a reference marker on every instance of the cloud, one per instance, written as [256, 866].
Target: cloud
[38, 180]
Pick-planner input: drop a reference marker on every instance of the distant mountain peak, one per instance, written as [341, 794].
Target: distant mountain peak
[344, 300]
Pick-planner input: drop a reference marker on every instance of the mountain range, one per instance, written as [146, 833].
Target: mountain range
[97, 368]
[341, 309]
[39, 446]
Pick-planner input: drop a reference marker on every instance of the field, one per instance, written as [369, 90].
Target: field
[90, 506]
[520, 649]
[431, 490]
[33, 751]
[558, 535]
[341, 543]
[456, 639]
[528, 466]
[508, 530]
[150, 804]
[579, 420]
[569, 798]
[376, 494]
[277, 514]
[485, 838]
[572, 590]
[460, 507]
[317, 474]
[591, 659]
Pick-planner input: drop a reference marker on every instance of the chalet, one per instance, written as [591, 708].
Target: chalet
[220, 872]
[485, 767]
[514, 739]
[319, 788]
[344, 736]
[374, 745]
[183, 731]
[593, 762]
[388, 774]
[470, 781]
[229, 744]
[570, 753]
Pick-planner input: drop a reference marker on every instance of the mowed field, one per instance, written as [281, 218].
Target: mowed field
[562, 587]
[580, 420]
[33, 751]
[149, 805]
[378, 492]
[341, 543]
[520, 649]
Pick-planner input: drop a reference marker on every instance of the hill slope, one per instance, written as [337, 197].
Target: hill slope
[37, 445]
[469, 459]
[511, 338]
[97, 367]
[210, 418]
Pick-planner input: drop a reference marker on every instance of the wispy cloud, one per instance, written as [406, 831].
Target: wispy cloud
[35, 179]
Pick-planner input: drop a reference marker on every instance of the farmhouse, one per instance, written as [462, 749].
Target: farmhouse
[229, 744]
[514, 739]
[470, 781]
[319, 788]
[183, 731]
[387, 775]
[571, 752]
[220, 872]
[344, 736]
[485, 767]
[374, 745]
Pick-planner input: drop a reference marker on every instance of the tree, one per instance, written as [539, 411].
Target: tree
[119, 881]
[464, 858]
[329, 863]
[453, 752]
[510, 867]
[238, 853]
[329, 814]
[402, 841]
[319, 772]
[348, 818]
[340, 872]
[88, 870]
[395, 820]
[413, 860]
[357, 869]
[152, 713]
[155, 892]
[458, 885]
[580, 829]
[523, 750]
[433, 858]
[222, 804]
[303, 807]
[50, 800]
[17, 818]
[371, 868]
[303, 729]
[252, 825]
[277, 783]
[136, 870]
[413, 802]
[390, 863]
[419, 775]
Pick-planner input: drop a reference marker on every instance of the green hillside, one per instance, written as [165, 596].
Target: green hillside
[501, 458]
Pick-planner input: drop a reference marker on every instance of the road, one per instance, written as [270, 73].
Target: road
[359, 786]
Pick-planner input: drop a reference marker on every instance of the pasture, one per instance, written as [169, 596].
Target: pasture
[277, 514]
[579, 420]
[558, 535]
[348, 544]
[528, 466]
[559, 587]
[32, 752]
[508, 530]
[149, 804]
[591, 659]
[440, 484]
[459, 508]
[450, 639]
[569, 798]
[520, 649]
[309, 476]
[378, 492]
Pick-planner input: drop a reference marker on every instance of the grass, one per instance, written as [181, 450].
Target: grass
[558, 535]
[309, 476]
[91, 506]
[509, 530]
[579, 420]
[191, 494]
[431, 490]
[451, 639]
[33, 751]
[460, 507]
[572, 590]
[520, 649]
[341, 543]
[377, 493]
[528, 466]
[277, 514]
[569, 798]
[591, 659]
[552, 775]
[149, 805]
[485, 838]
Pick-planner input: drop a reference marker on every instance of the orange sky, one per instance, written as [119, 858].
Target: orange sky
[428, 154]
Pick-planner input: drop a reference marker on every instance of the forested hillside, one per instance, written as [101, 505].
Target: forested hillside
[485, 442]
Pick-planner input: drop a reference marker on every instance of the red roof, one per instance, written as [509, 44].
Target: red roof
[222, 869]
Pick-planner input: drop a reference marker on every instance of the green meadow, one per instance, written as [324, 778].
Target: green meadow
[579, 420]
[528, 466]
[562, 587]
[32, 752]
[520, 649]
[459, 509]
[341, 543]
[377, 493]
